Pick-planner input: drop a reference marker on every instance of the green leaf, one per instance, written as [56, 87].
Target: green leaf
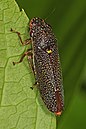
[20, 107]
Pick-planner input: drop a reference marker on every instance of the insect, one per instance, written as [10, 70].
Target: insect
[46, 64]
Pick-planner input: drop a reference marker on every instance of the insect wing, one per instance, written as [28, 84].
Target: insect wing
[49, 77]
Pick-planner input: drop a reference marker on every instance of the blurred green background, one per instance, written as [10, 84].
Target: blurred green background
[68, 20]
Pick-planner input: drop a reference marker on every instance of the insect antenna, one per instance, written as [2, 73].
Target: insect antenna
[50, 14]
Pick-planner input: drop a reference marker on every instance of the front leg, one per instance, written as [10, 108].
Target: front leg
[25, 42]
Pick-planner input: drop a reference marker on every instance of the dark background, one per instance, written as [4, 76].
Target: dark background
[68, 20]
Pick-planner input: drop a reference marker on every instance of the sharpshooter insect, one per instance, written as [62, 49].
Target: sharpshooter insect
[46, 64]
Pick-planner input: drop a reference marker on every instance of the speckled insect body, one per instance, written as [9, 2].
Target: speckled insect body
[47, 65]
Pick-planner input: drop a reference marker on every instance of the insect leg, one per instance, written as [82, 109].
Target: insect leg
[25, 42]
[35, 84]
[30, 58]
[29, 53]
